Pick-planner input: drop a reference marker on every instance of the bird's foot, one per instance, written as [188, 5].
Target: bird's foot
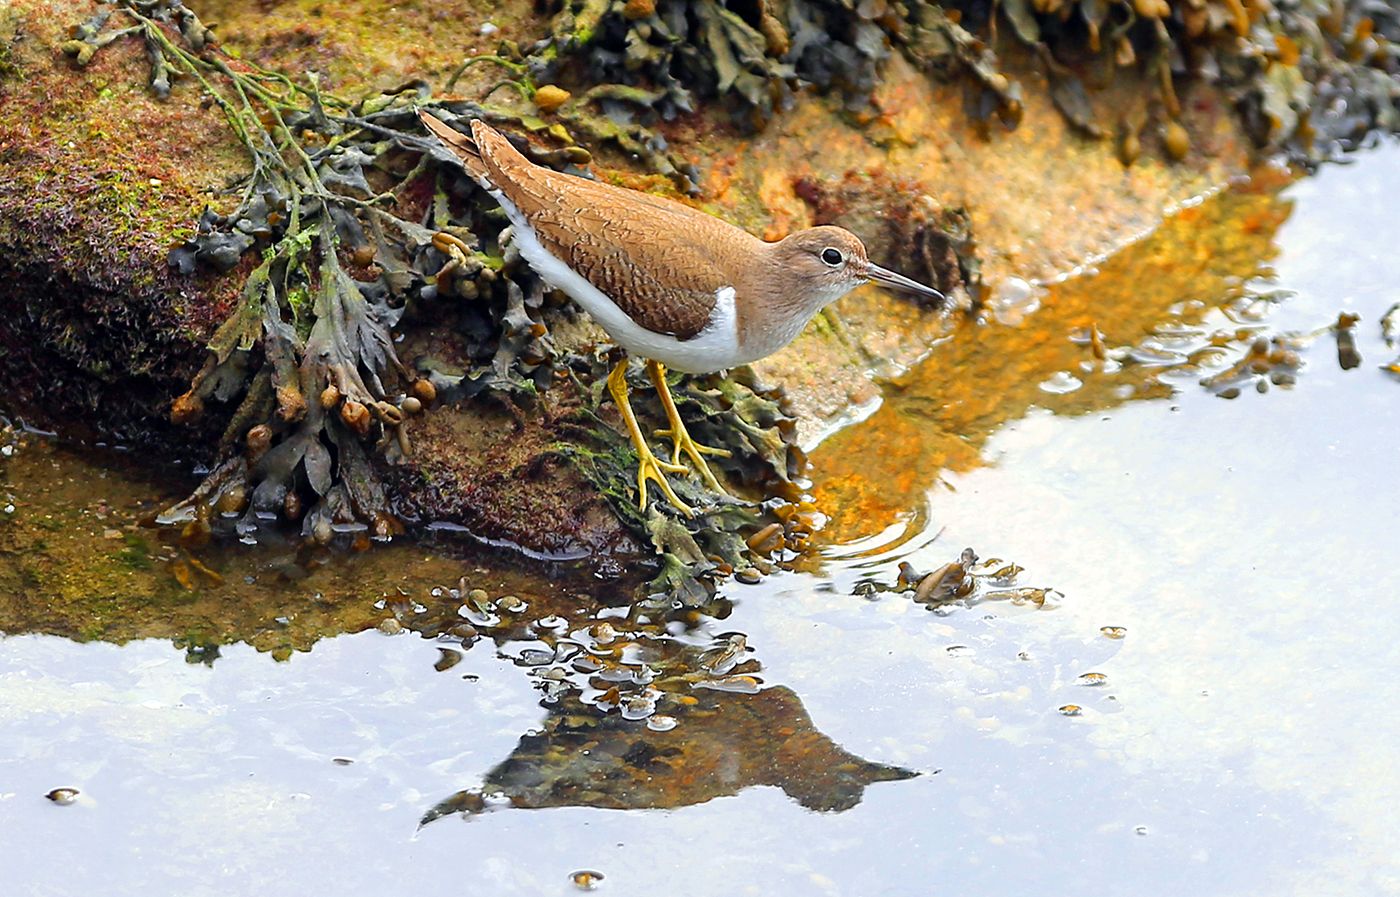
[681, 442]
[680, 437]
[455, 250]
[650, 467]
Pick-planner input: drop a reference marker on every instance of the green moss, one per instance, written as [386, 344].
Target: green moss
[9, 28]
[136, 555]
[90, 632]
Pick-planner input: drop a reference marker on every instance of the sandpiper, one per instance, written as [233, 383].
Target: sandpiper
[670, 284]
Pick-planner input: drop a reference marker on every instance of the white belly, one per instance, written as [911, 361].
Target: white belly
[712, 349]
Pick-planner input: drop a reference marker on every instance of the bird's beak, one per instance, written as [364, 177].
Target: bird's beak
[888, 278]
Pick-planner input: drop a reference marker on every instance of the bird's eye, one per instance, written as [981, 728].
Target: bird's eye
[833, 257]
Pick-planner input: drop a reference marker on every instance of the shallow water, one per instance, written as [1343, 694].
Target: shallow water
[1237, 740]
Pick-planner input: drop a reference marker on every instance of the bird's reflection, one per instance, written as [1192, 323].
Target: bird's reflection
[647, 706]
[723, 743]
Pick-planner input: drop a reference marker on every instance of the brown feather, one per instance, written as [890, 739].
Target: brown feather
[461, 145]
[660, 261]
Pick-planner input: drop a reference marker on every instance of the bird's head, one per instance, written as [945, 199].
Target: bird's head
[830, 262]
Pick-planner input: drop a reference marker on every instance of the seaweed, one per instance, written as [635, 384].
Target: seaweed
[1309, 79]
[356, 223]
[1288, 65]
[750, 57]
[736, 413]
[351, 225]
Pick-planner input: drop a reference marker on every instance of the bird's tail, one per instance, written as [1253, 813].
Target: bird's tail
[461, 145]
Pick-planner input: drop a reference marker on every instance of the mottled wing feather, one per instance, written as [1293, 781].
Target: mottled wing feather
[667, 285]
[653, 257]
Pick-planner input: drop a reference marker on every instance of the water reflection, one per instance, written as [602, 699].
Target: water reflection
[1179, 301]
[645, 708]
[723, 744]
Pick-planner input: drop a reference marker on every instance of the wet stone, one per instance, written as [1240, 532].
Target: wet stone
[586, 664]
[553, 623]
[603, 633]
[744, 685]
[1061, 383]
[63, 796]
[464, 631]
[477, 617]
[510, 604]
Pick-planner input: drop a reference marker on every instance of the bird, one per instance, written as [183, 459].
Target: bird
[669, 283]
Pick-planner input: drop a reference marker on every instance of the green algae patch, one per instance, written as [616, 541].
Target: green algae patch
[78, 559]
[97, 182]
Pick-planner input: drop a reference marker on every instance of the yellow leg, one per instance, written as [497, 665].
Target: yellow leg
[680, 437]
[649, 467]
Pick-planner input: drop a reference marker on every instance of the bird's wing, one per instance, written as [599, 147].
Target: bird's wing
[654, 258]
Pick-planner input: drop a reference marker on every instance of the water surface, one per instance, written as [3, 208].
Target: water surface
[1219, 560]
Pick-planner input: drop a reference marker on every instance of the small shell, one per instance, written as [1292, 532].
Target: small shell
[411, 405]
